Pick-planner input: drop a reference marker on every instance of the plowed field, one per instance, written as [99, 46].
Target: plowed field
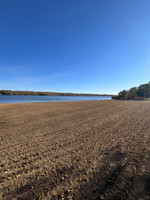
[75, 150]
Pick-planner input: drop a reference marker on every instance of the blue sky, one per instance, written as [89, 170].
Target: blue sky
[90, 46]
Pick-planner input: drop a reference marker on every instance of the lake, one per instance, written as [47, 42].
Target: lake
[29, 99]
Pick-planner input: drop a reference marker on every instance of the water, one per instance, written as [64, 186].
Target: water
[29, 99]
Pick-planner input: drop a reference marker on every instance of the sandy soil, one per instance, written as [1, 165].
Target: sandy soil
[75, 150]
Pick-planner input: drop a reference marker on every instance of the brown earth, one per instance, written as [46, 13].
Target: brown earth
[75, 150]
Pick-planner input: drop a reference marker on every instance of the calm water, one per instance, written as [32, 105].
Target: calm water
[27, 99]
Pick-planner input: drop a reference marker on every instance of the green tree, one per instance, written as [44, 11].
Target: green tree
[132, 92]
[122, 94]
[142, 90]
[148, 90]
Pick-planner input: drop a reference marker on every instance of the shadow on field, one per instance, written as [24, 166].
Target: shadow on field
[39, 186]
[118, 179]
[115, 179]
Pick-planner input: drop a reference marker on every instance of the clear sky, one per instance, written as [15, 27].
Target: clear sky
[90, 46]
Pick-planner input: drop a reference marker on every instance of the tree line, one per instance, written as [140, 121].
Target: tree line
[140, 92]
[10, 92]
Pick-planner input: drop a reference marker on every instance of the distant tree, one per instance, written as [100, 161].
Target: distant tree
[132, 92]
[6, 92]
[142, 90]
[122, 94]
[148, 90]
[9, 92]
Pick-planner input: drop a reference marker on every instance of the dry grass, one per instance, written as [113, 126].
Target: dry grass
[75, 150]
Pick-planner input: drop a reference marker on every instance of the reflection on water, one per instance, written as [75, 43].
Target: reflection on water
[27, 99]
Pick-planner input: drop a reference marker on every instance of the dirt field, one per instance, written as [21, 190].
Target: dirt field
[75, 150]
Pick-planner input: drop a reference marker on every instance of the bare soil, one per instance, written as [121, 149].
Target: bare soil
[75, 150]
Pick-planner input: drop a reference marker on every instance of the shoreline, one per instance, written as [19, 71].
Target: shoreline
[55, 102]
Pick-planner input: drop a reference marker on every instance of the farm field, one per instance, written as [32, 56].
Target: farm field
[75, 150]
